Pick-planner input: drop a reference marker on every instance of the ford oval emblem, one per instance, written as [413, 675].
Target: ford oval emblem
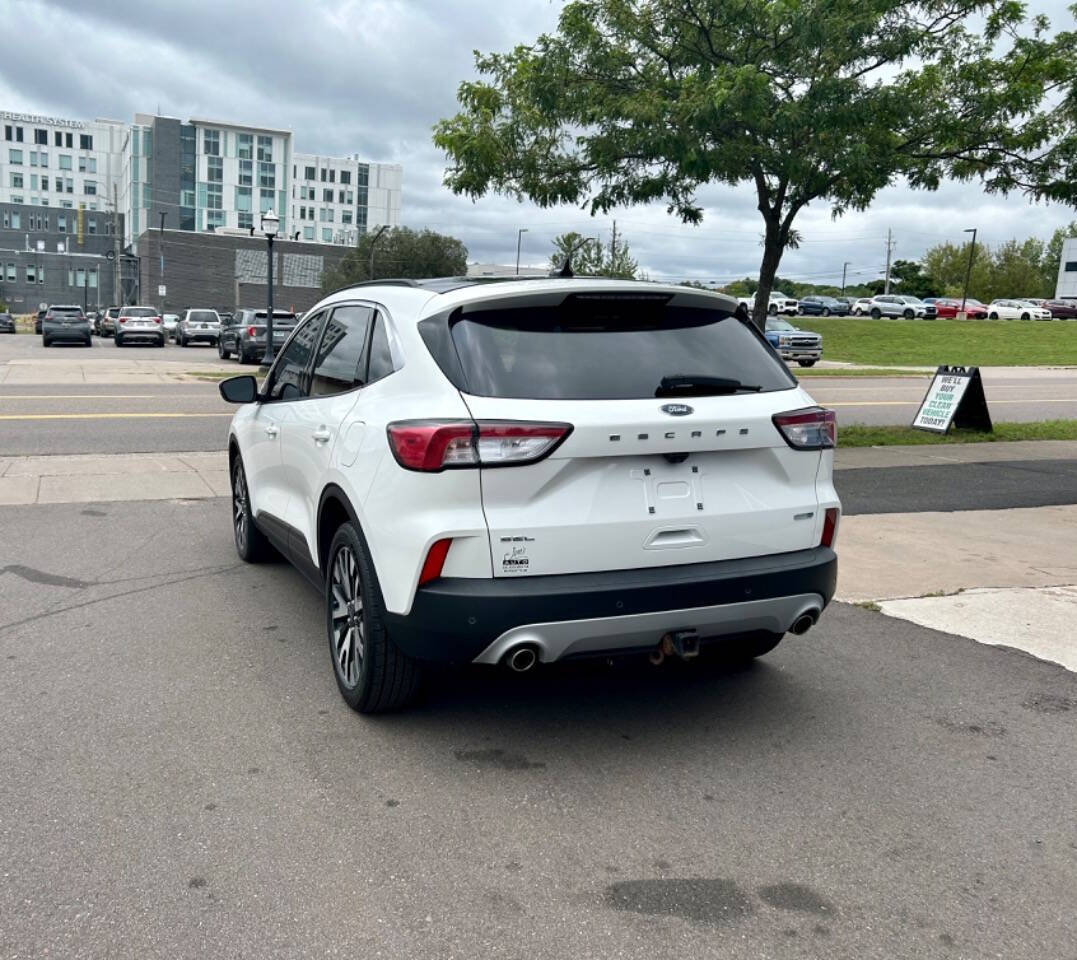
[677, 409]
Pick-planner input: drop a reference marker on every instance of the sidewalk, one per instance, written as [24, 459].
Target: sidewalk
[95, 479]
[941, 453]
[111, 370]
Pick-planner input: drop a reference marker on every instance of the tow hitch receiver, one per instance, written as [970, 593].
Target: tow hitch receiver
[685, 643]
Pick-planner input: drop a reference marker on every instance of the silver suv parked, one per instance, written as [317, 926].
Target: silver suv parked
[198, 326]
[139, 324]
[894, 305]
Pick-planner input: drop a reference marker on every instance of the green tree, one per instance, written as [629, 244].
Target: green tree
[632, 101]
[948, 263]
[908, 277]
[593, 258]
[399, 252]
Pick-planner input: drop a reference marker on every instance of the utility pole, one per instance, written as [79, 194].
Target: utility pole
[116, 295]
[613, 249]
[968, 271]
[890, 244]
[373, 244]
[161, 245]
[844, 267]
[519, 237]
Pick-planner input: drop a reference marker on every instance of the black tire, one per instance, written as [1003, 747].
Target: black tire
[118, 341]
[45, 342]
[251, 544]
[826, 311]
[89, 342]
[1025, 316]
[241, 356]
[181, 340]
[992, 315]
[909, 314]
[772, 310]
[222, 351]
[806, 363]
[876, 313]
[378, 677]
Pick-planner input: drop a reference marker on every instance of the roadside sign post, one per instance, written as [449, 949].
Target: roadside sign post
[956, 396]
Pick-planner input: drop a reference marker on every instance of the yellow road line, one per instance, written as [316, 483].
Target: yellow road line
[105, 416]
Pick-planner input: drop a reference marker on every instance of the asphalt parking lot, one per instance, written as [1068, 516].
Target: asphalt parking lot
[182, 779]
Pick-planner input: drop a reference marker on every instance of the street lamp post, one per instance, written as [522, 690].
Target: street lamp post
[270, 226]
[844, 267]
[968, 272]
[519, 238]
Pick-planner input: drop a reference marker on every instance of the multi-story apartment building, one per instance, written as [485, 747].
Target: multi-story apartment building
[337, 199]
[202, 175]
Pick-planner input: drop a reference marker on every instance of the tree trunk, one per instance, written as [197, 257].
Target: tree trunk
[772, 256]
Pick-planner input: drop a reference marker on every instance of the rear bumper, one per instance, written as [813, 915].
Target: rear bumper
[462, 620]
[79, 333]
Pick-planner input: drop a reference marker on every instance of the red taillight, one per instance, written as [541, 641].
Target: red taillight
[812, 428]
[123, 319]
[438, 445]
[156, 319]
[830, 526]
[435, 561]
[252, 331]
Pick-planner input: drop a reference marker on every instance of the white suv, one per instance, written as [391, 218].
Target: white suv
[529, 470]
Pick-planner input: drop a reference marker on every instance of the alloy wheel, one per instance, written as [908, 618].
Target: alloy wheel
[349, 632]
[239, 506]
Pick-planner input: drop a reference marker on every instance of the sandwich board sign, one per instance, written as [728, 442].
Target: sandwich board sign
[956, 396]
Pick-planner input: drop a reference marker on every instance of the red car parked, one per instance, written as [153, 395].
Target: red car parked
[949, 307]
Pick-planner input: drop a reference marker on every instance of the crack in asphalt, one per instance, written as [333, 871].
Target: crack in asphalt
[212, 571]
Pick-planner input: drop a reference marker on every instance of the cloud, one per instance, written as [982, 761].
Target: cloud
[373, 77]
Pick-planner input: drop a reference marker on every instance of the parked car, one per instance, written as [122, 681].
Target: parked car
[245, 334]
[896, 305]
[819, 306]
[949, 307]
[65, 323]
[1016, 310]
[106, 322]
[861, 307]
[139, 325]
[1062, 309]
[38, 320]
[778, 303]
[7, 323]
[91, 316]
[415, 453]
[792, 343]
[169, 321]
[199, 326]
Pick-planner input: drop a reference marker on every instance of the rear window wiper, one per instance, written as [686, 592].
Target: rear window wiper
[702, 386]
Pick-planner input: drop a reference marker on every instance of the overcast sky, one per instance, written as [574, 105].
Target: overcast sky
[373, 76]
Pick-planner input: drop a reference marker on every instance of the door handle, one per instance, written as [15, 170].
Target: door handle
[272, 431]
[321, 435]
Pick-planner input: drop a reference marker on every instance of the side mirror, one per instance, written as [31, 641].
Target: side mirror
[242, 389]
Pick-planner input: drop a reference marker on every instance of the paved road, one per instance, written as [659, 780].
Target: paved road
[1011, 396]
[181, 780]
[28, 347]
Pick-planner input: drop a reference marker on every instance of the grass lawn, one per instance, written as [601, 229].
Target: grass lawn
[862, 436]
[979, 343]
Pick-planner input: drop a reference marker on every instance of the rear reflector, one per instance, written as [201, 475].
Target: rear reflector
[439, 445]
[830, 526]
[811, 428]
[435, 561]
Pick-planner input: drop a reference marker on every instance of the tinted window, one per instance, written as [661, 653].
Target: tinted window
[340, 353]
[66, 311]
[138, 312]
[381, 357]
[288, 379]
[202, 316]
[606, 349]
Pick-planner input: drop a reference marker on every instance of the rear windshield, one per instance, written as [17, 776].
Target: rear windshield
[607, 351]
[66, 311]
[138, 312]
[202, 316]
[285, 318]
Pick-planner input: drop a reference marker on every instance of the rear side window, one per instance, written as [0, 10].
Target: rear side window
[381, 357]
[339, 363]
[606, 350]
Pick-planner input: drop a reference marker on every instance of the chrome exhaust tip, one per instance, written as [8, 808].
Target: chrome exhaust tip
[804, 623]
[521, 659]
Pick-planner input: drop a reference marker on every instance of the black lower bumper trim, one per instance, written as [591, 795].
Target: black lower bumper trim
[455, 619]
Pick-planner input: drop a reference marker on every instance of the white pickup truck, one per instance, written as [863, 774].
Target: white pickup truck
[779, 303]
